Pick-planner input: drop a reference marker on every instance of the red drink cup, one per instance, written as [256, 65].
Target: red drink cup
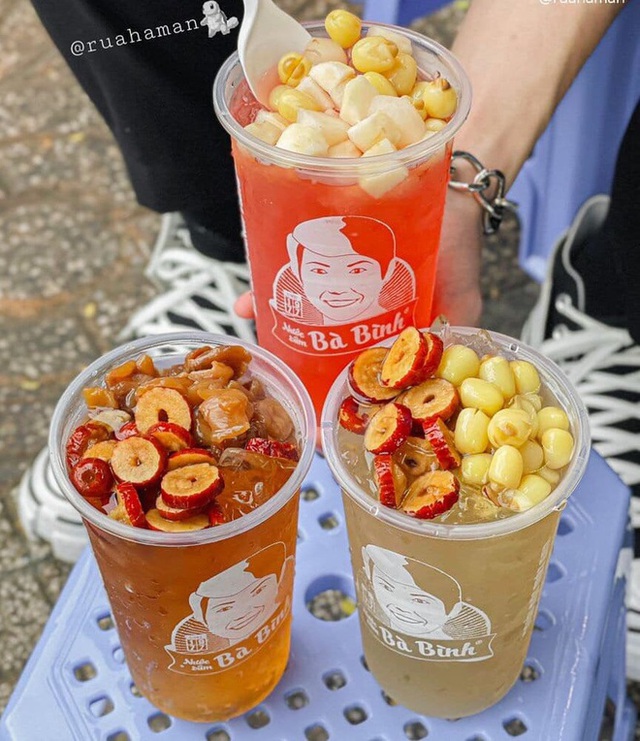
[339, 260]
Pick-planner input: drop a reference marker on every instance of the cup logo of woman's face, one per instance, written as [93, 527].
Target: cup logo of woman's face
[421, 608]
[409, 609]
[341, 287]
[236, 616]
[419, 600]
[342, 263]
[234, 604]
[234, 613]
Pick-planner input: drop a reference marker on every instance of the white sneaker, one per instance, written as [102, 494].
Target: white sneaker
[45, 513]
[603, 362]
[198, 292]
[633, 613]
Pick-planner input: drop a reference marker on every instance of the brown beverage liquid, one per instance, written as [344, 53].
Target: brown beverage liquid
[203, 613]
[165, 602]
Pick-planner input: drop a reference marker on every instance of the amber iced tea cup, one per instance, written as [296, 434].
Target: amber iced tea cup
[446, 611]
[204, 617]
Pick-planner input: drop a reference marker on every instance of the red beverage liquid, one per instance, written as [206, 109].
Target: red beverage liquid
[335, 270]
[342, 252]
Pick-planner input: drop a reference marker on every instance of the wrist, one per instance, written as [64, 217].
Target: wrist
[495, 150]
[465, 206]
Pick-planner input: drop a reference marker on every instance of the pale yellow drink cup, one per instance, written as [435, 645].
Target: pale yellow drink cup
[446, 611]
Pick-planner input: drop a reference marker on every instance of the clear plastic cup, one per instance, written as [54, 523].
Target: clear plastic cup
[334, 268]
[446, 611]
[204, 617]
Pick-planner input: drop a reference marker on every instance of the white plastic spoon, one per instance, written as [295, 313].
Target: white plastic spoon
[267, 34]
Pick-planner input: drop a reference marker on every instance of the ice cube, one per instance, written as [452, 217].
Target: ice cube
[250, 479]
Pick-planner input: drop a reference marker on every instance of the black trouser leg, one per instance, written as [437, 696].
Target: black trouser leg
[610, 262]
[155, 94]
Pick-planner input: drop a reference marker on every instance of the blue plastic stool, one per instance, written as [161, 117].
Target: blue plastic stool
[77, 686]
[400, 12]
[575, 157]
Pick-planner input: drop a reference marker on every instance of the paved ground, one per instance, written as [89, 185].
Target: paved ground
[73, 247]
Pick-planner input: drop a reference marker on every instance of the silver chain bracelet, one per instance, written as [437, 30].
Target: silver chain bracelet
[493, 206]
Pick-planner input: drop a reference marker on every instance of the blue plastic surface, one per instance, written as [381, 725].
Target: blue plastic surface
[400, 12]
[575, 157]
[576, 654]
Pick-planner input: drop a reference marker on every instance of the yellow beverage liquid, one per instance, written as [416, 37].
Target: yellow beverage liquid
[447, 606]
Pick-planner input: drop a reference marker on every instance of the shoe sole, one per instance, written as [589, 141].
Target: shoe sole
[45, 514]
[633, 656]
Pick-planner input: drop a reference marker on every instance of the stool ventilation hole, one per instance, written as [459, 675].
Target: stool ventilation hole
[529, 673]
[310, 494]
[334, 680]
[555, 572]
[217, 734]
[84, 672]
[296, 699]
[330, 598]
[415, 731]
[515, 727]
[258, 719]
[565, 526]
[355, 714]
[101, 706]
[159, 722]
[329, 521]
[544, 621]
[316, 733]
[105, 622]
[389, 700]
